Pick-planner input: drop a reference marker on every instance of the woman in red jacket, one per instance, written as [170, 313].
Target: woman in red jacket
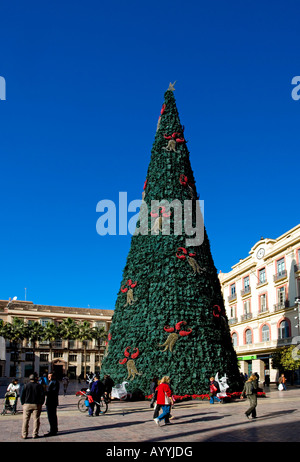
[164, 400]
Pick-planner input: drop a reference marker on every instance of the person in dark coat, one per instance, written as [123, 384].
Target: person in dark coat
[153, 386]
[52, 403]
[32, 399]
[97, 390]
[108, 384]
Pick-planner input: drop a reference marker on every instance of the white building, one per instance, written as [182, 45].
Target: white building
[65, 356]
[260, 299]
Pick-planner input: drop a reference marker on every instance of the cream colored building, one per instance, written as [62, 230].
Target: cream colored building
[65, 356]
[260, 294]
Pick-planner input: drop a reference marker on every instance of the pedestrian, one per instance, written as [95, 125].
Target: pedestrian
[14, 387]
[52, 403]
[108, 384]
[65, 381]
[153, 386]
[164, 400]
[96, 392]
[32, 399]
[282, 382]
[213, 390]
[44, 381]
[250, 391]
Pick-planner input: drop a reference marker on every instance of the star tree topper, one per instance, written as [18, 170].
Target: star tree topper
[171, 86]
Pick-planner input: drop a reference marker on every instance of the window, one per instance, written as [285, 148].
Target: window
[246, 283]
[232, 289]
[232, 311]
[280, 266]
[265, 333]
[73, 358]
[44, 357]
[283, 330]
[58, 354]
[281, 296]
[262, 275]
[247, 307]
[248, 336]
[44, 322]
[263, 303]
[234, 339]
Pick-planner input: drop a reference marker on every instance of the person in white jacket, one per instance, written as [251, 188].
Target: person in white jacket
[14, 387]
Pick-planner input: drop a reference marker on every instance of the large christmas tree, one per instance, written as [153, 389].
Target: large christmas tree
[169, 316]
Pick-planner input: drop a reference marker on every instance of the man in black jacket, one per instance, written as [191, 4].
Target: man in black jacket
[32, 399]
[52, 403]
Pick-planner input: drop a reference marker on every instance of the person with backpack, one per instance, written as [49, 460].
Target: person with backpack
[214, 389]
[250, 391]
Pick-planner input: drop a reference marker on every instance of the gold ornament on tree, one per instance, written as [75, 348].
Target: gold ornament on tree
[128, 289]
[173, 336]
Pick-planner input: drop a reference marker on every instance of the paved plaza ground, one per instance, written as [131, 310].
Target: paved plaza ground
[194, 421]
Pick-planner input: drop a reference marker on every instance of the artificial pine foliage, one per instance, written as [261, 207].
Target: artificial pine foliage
[175, 322]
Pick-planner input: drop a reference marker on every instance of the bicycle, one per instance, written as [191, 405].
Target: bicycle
[83, 403]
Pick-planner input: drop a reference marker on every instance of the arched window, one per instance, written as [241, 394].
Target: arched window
[283, 330]
[248, 336]
[265, 333]
[234, 339]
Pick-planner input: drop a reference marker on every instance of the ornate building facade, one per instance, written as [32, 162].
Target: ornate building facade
[262, 294]
[64, 356]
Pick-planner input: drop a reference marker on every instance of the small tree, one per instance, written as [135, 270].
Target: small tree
[51, 333]
[99, 334]
[69, 331]
[85, 333]
[15, 332]
[34, 333]
[283, 360]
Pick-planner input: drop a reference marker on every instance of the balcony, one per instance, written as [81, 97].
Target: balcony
[232, 321]
[281, 306]
[263, 311]
[246, 291]
[246, 316]
[261, 282]
[279, 276]
[231, 298]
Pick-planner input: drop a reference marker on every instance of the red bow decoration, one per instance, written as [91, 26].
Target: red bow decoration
[162, 210]
[175, 137]
[217, 311]
[127, 354]
[184, 253]
[129, 283]
[183, 179]
[182, 333]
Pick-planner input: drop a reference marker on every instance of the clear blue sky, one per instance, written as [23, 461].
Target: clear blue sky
[85, 84]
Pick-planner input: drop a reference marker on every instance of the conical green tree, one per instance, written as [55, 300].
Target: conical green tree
[169, 316]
